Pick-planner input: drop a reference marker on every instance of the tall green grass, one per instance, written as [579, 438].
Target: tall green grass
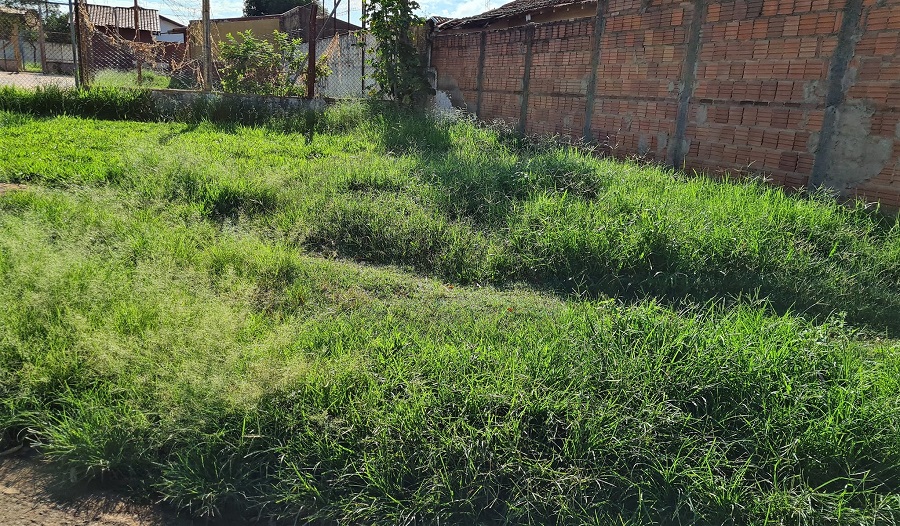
[111, 100]
[111, 78]
[555, 338]
[471, 205]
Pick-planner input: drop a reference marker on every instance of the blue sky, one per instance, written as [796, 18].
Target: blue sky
[184, 10]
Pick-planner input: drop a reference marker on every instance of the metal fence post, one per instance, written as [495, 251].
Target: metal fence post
[365, 41]
[311, 59]
[74, 40]
[207, 49]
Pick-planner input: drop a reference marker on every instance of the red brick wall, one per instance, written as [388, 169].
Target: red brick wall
[504, 66]
[757, 102]
[761, 84]
[458, 55]
[641, 57]
[876, 67]
[560, 68]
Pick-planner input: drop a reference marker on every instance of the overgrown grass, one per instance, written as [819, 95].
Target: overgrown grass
[138, 104]
[111, 78]
[627, 345]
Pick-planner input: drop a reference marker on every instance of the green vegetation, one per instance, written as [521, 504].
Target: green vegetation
[111, 78]
[193, 311]
[139, 105]
[262, 67]
[397, 69]
[33, 67]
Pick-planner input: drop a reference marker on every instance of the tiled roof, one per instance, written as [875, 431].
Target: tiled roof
[123, 17]
[514, 8]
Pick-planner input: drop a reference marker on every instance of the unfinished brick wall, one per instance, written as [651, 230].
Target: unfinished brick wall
[868, 122]
[461, 51]
[806, 92]
[502, 78]
[560, 67]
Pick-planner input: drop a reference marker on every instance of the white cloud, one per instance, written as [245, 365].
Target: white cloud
[470, 7]
[455, 9]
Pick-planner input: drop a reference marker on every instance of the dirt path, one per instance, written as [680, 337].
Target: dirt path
[30, 495]
[33, 80]
[6, 187]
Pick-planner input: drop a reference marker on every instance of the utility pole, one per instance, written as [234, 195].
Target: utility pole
[41, 40]
[207, 49]
[311, 59]
[137, 31]
[362, 48]
[72, 26]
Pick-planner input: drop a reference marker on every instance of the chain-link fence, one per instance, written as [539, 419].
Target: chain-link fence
[83, 44]
[121, 47]
[36, 45]
[344, 59]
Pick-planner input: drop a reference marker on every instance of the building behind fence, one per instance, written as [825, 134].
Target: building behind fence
[137, 47]
[26, 46]
[807, 93]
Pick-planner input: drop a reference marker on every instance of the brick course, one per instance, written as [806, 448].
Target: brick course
[757, 102]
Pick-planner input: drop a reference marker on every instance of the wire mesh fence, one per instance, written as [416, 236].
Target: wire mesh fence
[120, 47]
[36, 45]
[344, 58]
[83, 44]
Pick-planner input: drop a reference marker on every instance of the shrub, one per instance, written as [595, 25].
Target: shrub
[397, 67]
[257, 66]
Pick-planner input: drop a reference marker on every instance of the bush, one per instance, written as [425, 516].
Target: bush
[260, 67]
[140, 105]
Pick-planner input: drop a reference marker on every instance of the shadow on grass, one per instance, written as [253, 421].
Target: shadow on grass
[480, 224]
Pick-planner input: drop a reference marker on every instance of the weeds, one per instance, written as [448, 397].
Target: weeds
[628, 345]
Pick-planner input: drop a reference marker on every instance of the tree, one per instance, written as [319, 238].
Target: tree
[274, 7]
[57, 27]
[56, 22]
[397, 65]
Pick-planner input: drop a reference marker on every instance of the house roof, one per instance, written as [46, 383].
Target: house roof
[511, 9]
[173, 22]
[123, 17]
[321, 15]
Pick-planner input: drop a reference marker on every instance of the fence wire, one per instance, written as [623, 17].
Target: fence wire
[36, 46]
[62, 44]
[344, 56]
[116, 54]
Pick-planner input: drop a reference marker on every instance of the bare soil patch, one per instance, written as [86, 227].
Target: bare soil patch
[32, 495]
[33, 80]
[6, 187]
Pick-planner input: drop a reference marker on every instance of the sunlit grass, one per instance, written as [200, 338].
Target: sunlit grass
[111, 78]
[544, 336]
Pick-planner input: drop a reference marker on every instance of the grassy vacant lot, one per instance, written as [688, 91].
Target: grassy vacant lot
[397, 319]
[111, 78]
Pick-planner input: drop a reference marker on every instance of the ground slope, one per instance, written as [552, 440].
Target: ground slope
[399, 319]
